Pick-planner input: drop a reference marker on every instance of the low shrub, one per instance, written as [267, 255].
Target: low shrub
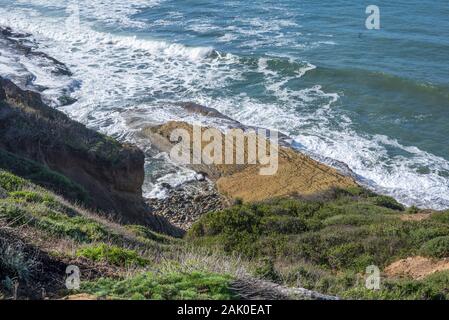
[14, 261]
[343, 256]
[10, 182]
[13, 214]
[146, 233]
[266, 270]
[437, 247]
[32, 196]
[388, 202]
[113, 255]
[167, 286]
[78, 228]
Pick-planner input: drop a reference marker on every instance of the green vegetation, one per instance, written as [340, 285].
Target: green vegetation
[38, 174]
[433, 287]
[113, 255]
[10, 182]
[322, 243]
[28, 204]
[144, 233]
[14, 262]
[176, 285]
[388, 202]
[437, 247]
[327, 242]
[69, 233]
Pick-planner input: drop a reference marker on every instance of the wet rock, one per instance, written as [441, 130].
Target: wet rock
[66, 100]
[184, 206]
[166, 186]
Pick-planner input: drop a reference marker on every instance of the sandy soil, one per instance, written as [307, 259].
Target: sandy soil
[416, 267]
[416, 216]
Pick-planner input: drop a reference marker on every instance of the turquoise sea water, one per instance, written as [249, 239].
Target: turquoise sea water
[377, 100]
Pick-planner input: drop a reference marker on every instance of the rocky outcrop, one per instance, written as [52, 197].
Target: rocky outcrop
[16, 42]
[255, 289]
[296, 174]
[112, 173]
[185, 204]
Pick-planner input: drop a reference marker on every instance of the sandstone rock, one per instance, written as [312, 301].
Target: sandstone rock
[296, 174]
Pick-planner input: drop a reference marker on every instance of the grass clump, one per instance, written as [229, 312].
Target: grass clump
[10, 182]
[167, 286]
[147, 234]
[437, 247]
[28, 204]
[32, 196]
[112, 255]
[14, 261]
[388, 202]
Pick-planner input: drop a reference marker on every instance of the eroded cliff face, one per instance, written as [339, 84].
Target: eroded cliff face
[112, 173]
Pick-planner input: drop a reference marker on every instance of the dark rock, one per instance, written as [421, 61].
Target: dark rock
[184, 207]
[203, 110]
[66, 100]
[166, 186]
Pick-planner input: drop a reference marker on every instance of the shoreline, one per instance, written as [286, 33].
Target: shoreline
[197, 109]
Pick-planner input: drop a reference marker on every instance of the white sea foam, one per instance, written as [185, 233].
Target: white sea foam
[323, 133]
[111, 12]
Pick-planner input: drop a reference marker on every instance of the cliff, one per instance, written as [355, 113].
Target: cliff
[111, 173]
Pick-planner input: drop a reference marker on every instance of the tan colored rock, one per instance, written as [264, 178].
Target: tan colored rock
[297, 173]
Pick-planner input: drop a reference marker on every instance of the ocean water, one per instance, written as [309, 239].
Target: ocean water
[376, 100]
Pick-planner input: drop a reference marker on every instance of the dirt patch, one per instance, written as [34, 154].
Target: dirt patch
[416, 267]
[416, 216]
